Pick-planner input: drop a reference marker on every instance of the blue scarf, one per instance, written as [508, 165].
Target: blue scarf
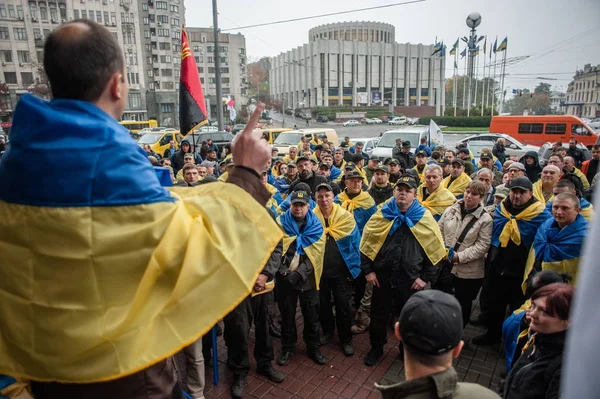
[553, 244]
[311, 231]
[411, 217]
[334, 173]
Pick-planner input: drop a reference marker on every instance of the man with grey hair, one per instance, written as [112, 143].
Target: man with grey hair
[432, 195]
[569, 166]
[543, 188]
[486, 161]
[486, 177]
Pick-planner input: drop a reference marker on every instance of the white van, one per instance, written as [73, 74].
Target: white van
[294, 137]
[388, 140]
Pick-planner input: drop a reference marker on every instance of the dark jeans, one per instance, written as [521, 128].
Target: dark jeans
[341, 287]
[287, 300]
[237, 334]
[466, 291]
[501, 291]
[385, 300]
[359, 283]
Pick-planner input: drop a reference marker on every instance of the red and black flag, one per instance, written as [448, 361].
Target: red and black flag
[192, 108]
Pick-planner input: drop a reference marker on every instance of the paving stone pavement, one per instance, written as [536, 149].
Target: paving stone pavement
[348, 377]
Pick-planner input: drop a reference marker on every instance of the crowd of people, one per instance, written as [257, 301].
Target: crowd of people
[362, 235]
[116, 306]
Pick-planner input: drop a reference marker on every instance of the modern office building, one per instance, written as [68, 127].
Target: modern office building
[583, 93]
[358, 64]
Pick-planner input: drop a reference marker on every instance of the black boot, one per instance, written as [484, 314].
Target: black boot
[271, 374]
[238, 389]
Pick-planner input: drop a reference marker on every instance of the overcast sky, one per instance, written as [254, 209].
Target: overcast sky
[559, 35]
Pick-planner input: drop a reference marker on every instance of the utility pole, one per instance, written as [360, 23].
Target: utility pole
[218, 67]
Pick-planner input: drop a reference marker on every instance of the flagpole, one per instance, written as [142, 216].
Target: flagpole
[465, 83]
[503, 77]
[494, 80]
[455, 67]
[487, 93]
[476, 82]
[483, 83]
[217, 66]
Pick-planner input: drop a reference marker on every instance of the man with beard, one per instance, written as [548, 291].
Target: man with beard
[431, 195]
[569, 166]
[370, 169]
[341, 265]
[557, 159]
[306, 175]
[484, 176]
[395, 171]
[486, 160]
[542, 189]
[575, 153]
[532, 165]
[421, 157]
[381, 190]
[400, 247]
[516, 221]
[356, 201]
[590, 167]
[450, 155]
[458, 179]
[407, 156]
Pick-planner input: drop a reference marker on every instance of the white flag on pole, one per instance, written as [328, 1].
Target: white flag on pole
[435, 134]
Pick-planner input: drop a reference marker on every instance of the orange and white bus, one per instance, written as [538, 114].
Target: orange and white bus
[537, 130]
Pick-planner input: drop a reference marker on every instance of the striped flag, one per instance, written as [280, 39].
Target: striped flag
[192, 108]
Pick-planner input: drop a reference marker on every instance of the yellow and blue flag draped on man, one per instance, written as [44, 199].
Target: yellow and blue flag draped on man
[557, 249]
[458, 185]
[587, 209]
[275, 200]
[538, 192]
[520, 228]
[310, 241]
[388, 219]
[362, 207]
[104, 272]
[343, 229]
[437, 202]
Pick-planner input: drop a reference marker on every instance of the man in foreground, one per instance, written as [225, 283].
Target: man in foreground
[131, 293]
[430, 329]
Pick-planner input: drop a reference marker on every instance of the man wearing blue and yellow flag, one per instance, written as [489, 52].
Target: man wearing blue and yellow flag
[558, 242]
[356, 201]
[432, 195]
[299, 276]
[400, 248]
[516, 221]
[458, 179]
[567, 186]
[106, 274]
[341, 265]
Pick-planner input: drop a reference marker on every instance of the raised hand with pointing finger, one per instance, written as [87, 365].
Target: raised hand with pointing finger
[248, 147]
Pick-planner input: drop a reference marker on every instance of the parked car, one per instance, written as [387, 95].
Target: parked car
[322, 119]
[219, 138]
[546, 150]
[209, 129]
[369, 143]
[595, 124]
[237, 128]
[384, 118]
[388, 140]
[350, 123]
[363, 120]
[398, 120]
[373, 121]
[306, 116]
[413, 121]
[289, 111]
[513, 146]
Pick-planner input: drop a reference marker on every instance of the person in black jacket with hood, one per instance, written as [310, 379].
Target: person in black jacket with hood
[532, 165]
[177, 158]
[306, 175]
[381, 190]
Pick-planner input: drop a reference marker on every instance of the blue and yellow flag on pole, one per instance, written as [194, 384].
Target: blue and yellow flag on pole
[104, 272]
[557, 249]
[342, 228]
[310, 241]
[503, 44]
[454, 48]
[388, 219]
[495, 47]
[362, 207]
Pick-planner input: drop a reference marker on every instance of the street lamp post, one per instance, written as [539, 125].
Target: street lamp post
[473, 21]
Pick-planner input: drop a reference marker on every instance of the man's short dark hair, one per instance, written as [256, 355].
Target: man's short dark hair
[188, 167]
[80, 62]
[596, 147]
[568, 184]
[556, 154]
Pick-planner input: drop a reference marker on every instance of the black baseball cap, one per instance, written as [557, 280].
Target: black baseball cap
[421, 152]
[323, 164]
[350, 165]
[464, 150]
[382, 168]
[376, 159]
[444, 162]
[521, 182]
[324, 186]
[406, 144]
[302, 158]
[431, 322]
[486, 155]
[299, 196]
[354, 175]
[458, 161]
[357, 158]
[408, 181]
[344, 144]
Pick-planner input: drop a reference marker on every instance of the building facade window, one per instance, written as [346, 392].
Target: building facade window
[135, 100]
[20, 12]
[20, 33]
[10, 78]
[4, 33]
[27, 78]
[11, 11]
[167, 85]
[166, 108]
[161, 5]
[75, 14]
[23, 56]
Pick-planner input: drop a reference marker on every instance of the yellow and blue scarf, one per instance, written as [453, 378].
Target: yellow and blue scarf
[587, 209]
[343, 229]
[105, 272]
[362, 207]
[437, 202]
[388, 219]
[310, 241]
[520, 228]
[275, 200]
[538, 192]
[558, 249]
[457, 188]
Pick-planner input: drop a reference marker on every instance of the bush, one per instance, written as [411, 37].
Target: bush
[458, 121]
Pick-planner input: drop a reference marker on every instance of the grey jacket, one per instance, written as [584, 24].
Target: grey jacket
[440, 385]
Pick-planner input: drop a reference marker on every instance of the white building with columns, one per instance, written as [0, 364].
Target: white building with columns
[358, 64]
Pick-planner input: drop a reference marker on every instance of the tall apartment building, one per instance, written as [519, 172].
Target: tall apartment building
[583, 93]
[149, 32]
[234, 72]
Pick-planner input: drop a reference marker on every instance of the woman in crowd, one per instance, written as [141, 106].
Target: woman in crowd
[537, 372]
[467, 231]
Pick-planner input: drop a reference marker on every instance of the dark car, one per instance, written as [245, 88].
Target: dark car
[546, 150]
[237, 128]
[289, 111]
[219, 138]
[322, 119]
